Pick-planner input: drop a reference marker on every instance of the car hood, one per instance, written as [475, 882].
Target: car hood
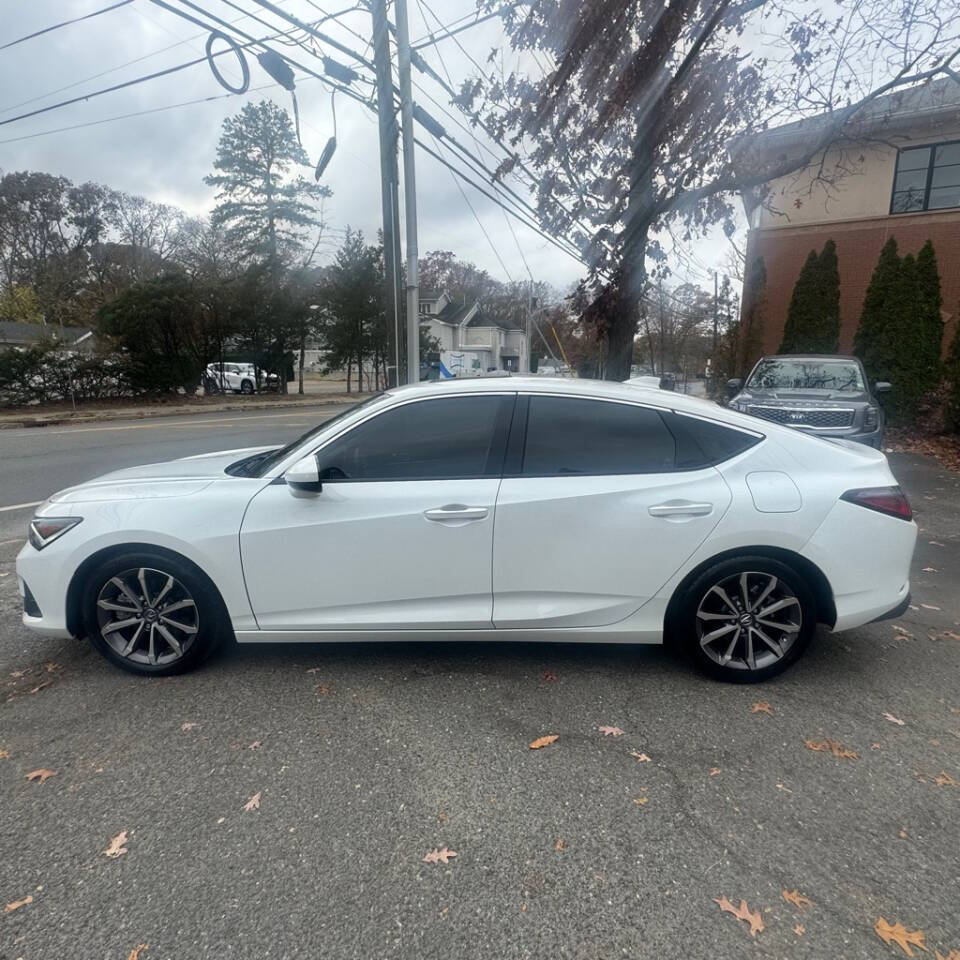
[174, 478]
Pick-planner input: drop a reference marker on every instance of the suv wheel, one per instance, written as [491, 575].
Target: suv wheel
[746, 619]
[152, 614]
[246, 387]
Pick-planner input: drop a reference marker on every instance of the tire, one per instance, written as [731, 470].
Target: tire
[714, 603]
[246, 387]
[166, 604]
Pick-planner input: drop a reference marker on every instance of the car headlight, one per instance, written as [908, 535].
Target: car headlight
[871, 418]
[44, 530]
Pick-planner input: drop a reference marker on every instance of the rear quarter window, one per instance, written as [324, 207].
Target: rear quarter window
[703, 443]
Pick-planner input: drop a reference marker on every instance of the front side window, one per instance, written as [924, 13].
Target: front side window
[838, 376]
[927, 178]
[445, 439]
[569, 436]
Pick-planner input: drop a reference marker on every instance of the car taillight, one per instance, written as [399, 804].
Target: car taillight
[889, 500]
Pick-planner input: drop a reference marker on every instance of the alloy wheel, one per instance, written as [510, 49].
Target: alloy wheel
[147, 616]
[748, 620]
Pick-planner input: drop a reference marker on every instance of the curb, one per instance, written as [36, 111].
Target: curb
[149, 413]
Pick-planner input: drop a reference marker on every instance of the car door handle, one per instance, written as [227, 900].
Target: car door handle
[455, 513]
[680, 508]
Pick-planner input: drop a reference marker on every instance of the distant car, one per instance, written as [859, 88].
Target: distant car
[233, 377]
[825, 394]
[527, 509]
[645, 381]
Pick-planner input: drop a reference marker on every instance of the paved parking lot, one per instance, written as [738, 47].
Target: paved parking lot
[365, 757]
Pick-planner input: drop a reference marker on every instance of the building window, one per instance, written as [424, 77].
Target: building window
[927, 178]
[424, 307]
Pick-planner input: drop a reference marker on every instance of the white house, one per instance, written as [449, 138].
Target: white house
[471, 342]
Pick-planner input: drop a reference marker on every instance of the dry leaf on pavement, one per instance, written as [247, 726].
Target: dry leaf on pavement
[253, 803]
[189, 726]
[544, 741]
[17, 904]
[4, 754]
[611, 731]
[41, 775]
[639, 757]
[137, 950]
[761, 706]
[897, 933]
[442, 855]
[834, 747]
[893, 719]
[117, 846]
[559, 847]
[945, 780]
[799, 929]
[714, 771]
[743, 913]
[796, 898]
[256, 745]
[952, 955]
[549, 676]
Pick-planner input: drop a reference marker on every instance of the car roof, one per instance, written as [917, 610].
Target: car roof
[847, 357]
[596, 389]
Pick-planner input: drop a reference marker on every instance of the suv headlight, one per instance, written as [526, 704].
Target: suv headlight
[871, 418]
[44, 530]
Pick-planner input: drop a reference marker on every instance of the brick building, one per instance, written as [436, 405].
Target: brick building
[899, 177]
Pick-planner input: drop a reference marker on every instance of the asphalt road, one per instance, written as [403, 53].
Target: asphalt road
[366, 757]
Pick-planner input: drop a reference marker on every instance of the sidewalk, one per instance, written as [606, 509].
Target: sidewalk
[47, 417]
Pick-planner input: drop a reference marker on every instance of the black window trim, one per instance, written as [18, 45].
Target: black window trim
[513, 465]
[929, 181]
[501, 427]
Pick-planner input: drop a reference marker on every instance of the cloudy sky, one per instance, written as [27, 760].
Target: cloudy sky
[164, 154]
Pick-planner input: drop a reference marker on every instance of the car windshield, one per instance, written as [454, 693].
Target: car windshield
[835, 375]
[260, 463]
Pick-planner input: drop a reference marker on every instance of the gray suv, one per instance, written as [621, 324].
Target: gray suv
[825, 394]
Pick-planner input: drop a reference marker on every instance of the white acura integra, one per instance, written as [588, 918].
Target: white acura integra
[508, 508]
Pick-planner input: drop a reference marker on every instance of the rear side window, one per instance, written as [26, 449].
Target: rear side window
[444, 439]
[702, 443]
[570, 436]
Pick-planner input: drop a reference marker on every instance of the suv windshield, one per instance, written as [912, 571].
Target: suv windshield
[837, 375]
[258, 464]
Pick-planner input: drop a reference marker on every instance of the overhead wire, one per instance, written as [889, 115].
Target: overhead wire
[65, 23]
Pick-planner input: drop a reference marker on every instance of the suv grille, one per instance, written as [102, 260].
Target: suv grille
[805, 416]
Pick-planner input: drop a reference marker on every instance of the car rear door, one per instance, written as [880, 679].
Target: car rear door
[593, 514]
[401, 534]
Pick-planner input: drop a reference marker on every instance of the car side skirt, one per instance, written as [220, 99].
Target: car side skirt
[546, 635]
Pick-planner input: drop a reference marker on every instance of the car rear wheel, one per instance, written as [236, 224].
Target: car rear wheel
[151, 613]
[746, 619]
[246, 387]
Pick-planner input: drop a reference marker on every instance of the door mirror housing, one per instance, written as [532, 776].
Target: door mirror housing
[733, 386]
[303, 478]
[881, 386]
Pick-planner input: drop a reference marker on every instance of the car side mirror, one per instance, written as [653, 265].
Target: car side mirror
[881, 386]
[303, 478]
[733, 386]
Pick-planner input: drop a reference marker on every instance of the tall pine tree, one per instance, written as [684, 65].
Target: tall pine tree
[867, 344]
[952, 411]
[929, 318]
[813, 318]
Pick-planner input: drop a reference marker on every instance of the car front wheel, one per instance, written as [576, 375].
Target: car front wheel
[246, 387]
[746, 619]
[151, 614]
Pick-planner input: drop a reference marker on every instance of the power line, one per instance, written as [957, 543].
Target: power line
[66, 23]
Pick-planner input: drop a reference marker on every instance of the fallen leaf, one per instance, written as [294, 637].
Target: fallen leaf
[640, 757]
[903, 833]
[41, 775]
[137, 950]
[611, 731]
[40, 686]
[874, 746]
[17, 904]
[314, 670]
[640, 801]
[898, 934]
[761, 706]
[834, 747]
[743, 913]
[796, 898]
[934, 742]
[893, 719]
[783, 787]
[442, 855]
[4, 754]
[799, 929]
[558, 846]
[544, 741]
[930, 570]
[952, 955]
[189, 726]
[256, 745]
[950, 635]
[935, 543]
[903, 630]
[321, 690]
[253, 803]
[117, 846]
[714, 771]
[549, 676]
[929, 606]
[945, 780]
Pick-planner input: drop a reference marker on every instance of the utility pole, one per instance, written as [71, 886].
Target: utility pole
[389, 175]
[716, 308]
[409, 193]
[525, 365]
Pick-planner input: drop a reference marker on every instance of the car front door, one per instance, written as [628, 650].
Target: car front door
[401, 534]
[593, 516]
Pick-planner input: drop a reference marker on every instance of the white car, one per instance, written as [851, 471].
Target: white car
[645, 381]
[509, 508]
[233, 377]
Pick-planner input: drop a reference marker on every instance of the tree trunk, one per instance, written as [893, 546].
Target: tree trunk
[303, 351]
[349, 372]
